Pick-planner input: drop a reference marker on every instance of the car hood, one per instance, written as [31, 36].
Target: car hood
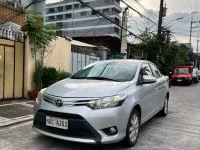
[85, 88]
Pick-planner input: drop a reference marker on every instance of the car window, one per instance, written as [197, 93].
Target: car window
[146, 70]
[120, 71]
[155, 70]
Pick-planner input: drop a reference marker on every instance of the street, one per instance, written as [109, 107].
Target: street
[180, 130]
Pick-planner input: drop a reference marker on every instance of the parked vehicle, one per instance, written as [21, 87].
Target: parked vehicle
[195, 76]
[182, 74]
[198, 74]
[105, 102]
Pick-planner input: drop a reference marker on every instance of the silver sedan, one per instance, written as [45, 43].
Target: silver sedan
[105, 102]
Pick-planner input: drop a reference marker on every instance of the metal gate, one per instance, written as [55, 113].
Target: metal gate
[11, 69]
[78, 61]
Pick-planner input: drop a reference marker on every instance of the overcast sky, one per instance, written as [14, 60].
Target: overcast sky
[175, 9]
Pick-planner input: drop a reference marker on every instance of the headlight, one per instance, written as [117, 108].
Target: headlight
[40, 94]
[107, 102]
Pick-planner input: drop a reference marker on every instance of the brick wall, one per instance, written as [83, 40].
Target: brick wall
[12, 14]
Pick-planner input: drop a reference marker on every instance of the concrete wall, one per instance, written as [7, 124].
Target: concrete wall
[60, 57]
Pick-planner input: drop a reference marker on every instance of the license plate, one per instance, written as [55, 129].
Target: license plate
[179, 80]
[57, 122]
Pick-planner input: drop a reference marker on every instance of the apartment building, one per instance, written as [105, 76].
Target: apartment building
[80, 22]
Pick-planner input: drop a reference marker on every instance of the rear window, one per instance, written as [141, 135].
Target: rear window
[181, 71]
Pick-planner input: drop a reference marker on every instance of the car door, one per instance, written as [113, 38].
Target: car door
[148, 94]
[161, 86]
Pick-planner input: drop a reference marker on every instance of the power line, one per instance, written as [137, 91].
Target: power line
[146, 10]
[141, 15]
[80, 1]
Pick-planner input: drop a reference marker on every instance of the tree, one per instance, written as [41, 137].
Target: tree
[172, 53]
[40, 36]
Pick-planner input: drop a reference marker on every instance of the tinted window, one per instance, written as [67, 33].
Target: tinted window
[120, 71]
[116, 30]
[84, 13]
[51, 17]
[76, 6]
[146, 70]
[59, 17]
[156, 72]
[51, 10]
[106, 11]
[68, 16]
[85, 5]
[60, 9]
[68, 7]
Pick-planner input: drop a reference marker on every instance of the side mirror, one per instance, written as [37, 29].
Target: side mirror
[148, 80]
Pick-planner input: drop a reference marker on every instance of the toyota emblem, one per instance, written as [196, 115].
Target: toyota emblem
[58, 103]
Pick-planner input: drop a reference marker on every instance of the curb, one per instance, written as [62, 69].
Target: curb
[15, 121]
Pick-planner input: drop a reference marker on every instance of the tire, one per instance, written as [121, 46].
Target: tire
[129, 140]
[165, 108]
[188, 83]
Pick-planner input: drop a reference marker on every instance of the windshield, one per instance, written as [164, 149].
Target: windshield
[115, 71]
[181, 71]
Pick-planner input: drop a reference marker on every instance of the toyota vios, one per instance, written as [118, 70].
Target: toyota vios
[105, 102]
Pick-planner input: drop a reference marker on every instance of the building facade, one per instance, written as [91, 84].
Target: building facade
[76, 20]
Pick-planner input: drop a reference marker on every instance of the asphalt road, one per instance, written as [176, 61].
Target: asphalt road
[180, 130]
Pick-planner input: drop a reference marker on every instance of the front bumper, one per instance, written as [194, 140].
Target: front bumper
[180, 80]
[85, 124]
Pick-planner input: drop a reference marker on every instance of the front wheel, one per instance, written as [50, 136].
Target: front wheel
[132, 129]
[165, 108]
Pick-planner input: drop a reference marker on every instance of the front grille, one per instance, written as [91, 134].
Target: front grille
[77, 126]
[66, 103]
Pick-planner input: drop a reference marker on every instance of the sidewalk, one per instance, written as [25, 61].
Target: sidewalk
[13, 112]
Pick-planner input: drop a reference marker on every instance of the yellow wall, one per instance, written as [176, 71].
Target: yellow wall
[60, 57]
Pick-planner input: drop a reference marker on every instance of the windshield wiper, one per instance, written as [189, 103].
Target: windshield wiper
[102, 78]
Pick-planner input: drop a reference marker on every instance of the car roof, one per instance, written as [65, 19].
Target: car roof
[124, 60]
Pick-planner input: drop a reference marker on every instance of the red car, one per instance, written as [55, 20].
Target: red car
[182, 74]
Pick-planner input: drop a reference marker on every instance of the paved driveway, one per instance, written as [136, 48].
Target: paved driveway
[180, 130]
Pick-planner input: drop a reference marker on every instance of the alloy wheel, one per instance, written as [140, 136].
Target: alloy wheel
[166, 106]
[134, 128]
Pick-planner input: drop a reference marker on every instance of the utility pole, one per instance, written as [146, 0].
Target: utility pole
[196, 63]
[160, 18]
[191, 27]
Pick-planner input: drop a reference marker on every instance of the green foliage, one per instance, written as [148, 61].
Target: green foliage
[50, 75]
[115, 56]
[40, 36]
[61, 74]
[172, 53]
